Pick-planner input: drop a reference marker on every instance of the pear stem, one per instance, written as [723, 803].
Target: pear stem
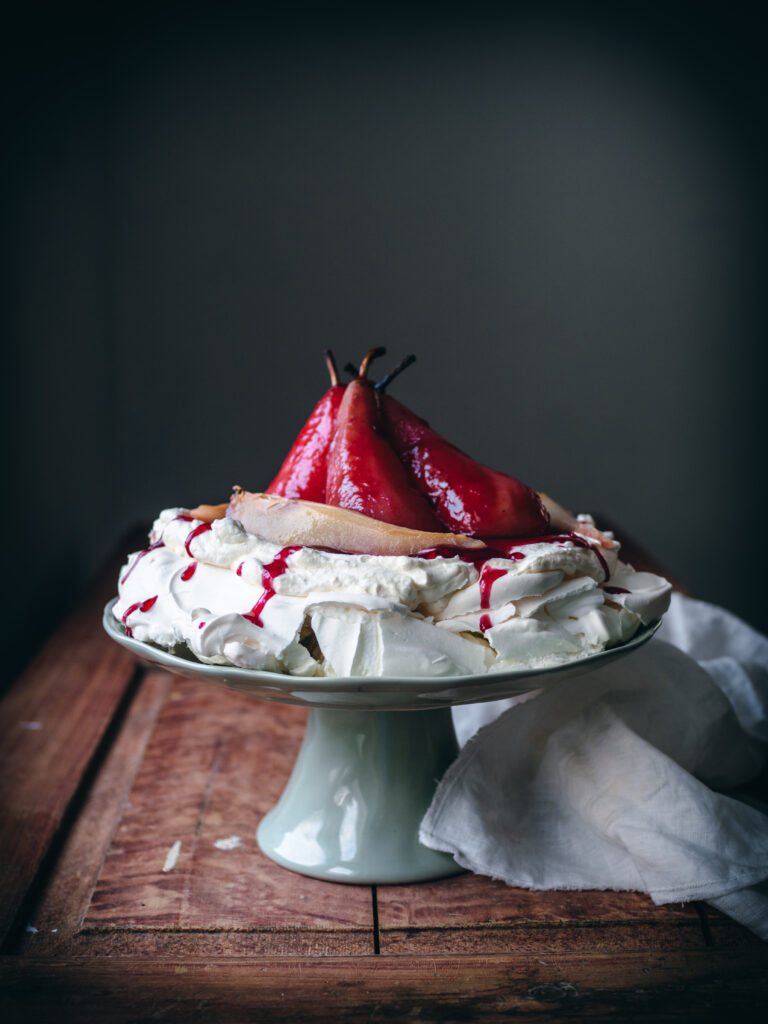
[330, 362]
[373, 354]
[384, 383]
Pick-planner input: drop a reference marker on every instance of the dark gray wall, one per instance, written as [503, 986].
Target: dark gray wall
[563, 218]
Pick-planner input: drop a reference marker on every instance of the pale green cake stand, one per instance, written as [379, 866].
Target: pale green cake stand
[373, 753]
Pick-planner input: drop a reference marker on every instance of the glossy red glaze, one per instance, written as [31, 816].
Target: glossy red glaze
[201, 528]
[189, 572]
[467, 496]
[364, 473]
[475, 556]
[254, 615]
[138, 606]
[487, 578]
[472, 556]
[303, 473]
[269, 574]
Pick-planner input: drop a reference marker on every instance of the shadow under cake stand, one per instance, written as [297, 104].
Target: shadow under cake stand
[373, 753]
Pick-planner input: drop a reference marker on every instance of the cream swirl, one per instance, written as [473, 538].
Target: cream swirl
[231, 597]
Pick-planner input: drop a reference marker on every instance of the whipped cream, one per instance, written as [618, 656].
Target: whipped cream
[230, 597]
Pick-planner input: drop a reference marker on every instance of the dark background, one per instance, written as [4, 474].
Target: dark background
[561, 211]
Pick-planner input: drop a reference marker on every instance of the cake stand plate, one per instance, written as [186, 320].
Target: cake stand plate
[373, 753]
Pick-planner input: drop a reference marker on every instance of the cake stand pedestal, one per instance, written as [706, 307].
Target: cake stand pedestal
[362, 782]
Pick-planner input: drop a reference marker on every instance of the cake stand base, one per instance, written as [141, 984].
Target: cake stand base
[362, 782]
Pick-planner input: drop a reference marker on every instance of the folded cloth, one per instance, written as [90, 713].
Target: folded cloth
[617, 779]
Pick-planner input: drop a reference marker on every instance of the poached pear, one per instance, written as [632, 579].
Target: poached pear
[304, 469]
[467, 496]
[364, 473]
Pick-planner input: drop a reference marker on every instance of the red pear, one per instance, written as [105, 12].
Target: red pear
[303, 473]
[364, 473]
[467, 496]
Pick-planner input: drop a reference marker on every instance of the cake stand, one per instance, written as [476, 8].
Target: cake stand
[373, 753]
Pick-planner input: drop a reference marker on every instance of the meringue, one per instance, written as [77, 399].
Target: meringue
[229, 597]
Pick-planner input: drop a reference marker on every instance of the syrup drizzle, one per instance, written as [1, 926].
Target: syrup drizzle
[137, 559]
[189, 572]
[161, 544]
[269, 574]
[563, 538]
[506, 549]
[138, 606]
[202, 528]
[487, 578]
[473, 556]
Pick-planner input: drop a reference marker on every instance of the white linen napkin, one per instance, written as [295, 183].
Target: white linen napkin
[617, 779]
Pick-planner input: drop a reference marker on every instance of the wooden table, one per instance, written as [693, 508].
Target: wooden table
[124, 896]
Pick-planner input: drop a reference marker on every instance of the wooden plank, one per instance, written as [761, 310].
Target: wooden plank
[470, 913]
[214, 944]
[63, 904]
[51, 723]
[545, 939]
[216, 762]
[723, 932]
[469, 900]
[683, 986]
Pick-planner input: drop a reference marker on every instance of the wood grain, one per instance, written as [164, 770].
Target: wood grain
[63, 903]
[51, 723]
[469, 900]
[214, 944]
[216, 762]
[475, 914]
[586, 986]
